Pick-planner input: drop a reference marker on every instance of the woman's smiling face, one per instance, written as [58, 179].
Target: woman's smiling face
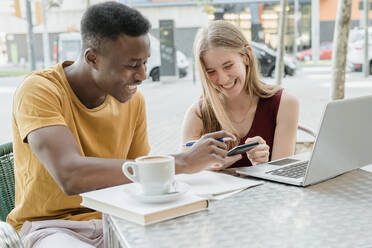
[226, 70]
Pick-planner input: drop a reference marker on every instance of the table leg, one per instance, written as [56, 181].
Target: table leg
[110, 240]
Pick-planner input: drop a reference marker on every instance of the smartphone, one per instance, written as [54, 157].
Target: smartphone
[242, 148]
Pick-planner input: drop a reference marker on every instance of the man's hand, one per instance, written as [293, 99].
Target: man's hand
[206, 152]
[229, 160]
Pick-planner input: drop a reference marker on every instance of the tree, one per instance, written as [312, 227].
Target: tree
[279, 66]
[207, 6]
[17, 9]
[54, 3]
[340, 39]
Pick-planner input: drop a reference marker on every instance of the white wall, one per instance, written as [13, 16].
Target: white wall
[58, 19]
[70, 13]
[183, 16]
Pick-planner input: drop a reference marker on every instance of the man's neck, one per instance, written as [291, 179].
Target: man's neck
[82, 83]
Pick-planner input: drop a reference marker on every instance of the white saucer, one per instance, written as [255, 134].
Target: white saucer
[181, 189]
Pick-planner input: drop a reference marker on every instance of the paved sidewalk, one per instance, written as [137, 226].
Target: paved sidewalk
[13, 67]
[166, 106]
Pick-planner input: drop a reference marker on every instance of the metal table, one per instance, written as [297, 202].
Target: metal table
[335, 213]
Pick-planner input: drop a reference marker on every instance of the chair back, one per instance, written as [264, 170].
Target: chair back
[305, 139]
[6, 180]
[9, 236]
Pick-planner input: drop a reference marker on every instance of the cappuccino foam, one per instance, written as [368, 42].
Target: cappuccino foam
[155, 159]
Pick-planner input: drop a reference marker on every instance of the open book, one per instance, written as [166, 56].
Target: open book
[119, 202]
[215, 185]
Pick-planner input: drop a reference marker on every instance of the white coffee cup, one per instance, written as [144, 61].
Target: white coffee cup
[155, 173]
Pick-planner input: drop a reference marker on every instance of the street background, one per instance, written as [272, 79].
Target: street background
[31, 36]
[167, 102]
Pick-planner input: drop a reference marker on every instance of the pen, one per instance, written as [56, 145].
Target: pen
[190, 143]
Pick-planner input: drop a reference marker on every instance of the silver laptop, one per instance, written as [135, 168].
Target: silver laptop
[344, 143]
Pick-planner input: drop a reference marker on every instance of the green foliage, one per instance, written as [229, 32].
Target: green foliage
[13, 73]
[207, 6]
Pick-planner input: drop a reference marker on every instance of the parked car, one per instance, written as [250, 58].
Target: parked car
[68, 47]
[355, 53]
[325, 52]
[266, 58]
[154, 62]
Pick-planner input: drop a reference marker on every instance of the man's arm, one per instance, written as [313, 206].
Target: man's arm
[58, 151]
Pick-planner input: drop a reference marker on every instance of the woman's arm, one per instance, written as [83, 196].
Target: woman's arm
[192, 126]
[286, 127]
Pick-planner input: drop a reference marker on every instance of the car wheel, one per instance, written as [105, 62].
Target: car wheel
[307, 58]
[182, 72]
[285, 73]
[271, 72]
[155, 74]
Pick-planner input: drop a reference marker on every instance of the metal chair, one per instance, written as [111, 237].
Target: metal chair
[305, 145]
[9, 237]
[6, 180]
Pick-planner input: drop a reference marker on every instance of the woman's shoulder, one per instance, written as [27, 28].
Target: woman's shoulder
[196, 107]
[281, 101]
[289, 104]
[279, 96]
[194, 110]
[289, 108]
[288, 97]
[192, 119]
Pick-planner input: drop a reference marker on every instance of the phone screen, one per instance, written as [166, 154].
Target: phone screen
[242, 148]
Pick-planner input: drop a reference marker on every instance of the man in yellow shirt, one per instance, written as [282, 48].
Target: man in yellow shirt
[76, 123]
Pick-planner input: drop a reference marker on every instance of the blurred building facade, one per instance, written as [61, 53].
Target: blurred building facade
[257, 19]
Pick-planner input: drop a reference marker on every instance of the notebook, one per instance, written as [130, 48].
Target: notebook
[343, 143]
[119, 202]
[215, 185]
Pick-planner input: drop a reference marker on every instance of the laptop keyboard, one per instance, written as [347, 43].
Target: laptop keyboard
[292, 171]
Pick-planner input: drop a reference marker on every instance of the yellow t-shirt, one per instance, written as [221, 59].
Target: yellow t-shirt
[111, 130]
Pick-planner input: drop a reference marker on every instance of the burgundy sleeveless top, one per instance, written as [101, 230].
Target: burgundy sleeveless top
[263, 125]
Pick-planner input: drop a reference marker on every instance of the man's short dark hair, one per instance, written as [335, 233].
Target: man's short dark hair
[109, 20]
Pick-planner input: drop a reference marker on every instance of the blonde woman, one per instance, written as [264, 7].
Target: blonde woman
[236, 100]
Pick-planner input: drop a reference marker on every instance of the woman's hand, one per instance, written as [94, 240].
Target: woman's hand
[259, 154]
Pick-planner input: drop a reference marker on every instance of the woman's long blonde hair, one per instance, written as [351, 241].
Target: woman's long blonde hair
[222, 34]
